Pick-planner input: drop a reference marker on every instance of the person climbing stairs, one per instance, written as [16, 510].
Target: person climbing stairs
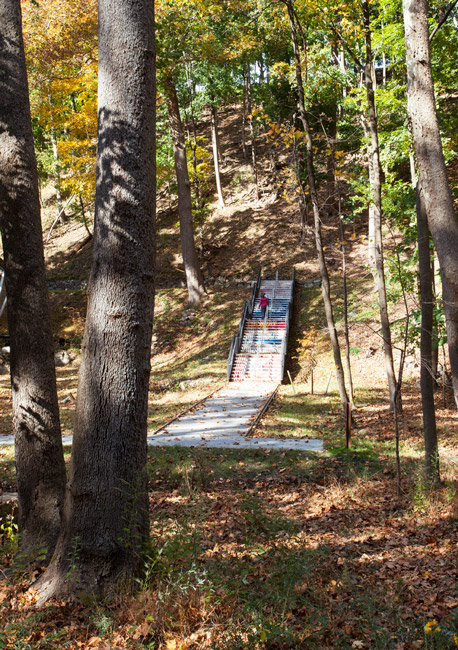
[258, 350]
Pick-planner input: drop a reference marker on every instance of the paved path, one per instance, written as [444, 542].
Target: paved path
[221, 421]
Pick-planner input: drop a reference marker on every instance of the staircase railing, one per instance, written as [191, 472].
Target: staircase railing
[248, 311]
[284, 344]
[237, 340]
[275, 285]
[255, 289]
[231, 357]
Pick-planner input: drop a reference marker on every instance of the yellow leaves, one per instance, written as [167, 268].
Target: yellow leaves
[203, 167]
[61, 50]
[175, 645]
[59, 31]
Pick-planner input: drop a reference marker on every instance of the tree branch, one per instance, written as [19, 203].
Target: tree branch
[450, 8]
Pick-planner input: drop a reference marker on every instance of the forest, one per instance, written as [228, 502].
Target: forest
[155, 159]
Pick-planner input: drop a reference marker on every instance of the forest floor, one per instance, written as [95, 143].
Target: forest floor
[256, 549]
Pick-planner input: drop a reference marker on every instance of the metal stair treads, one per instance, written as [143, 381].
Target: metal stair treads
[259, 348]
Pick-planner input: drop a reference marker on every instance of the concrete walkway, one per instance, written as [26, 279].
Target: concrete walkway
[224, 419]
[221, 421]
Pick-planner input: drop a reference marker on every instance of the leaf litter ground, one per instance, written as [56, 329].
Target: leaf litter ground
[272, 550]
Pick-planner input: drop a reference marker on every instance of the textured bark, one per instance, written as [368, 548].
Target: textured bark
[371, 247]
[194, 131]
[39, 457]
[252, 133]
[105, 519]
[345, 296]
[325, 286]
[427, 379]
[194, 280]
[216, 155]
[244, 116]
[431, 166]
[375, 210]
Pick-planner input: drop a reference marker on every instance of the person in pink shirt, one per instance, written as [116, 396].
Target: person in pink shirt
[263, 302]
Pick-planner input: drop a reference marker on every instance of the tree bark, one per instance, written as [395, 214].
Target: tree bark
[375, 211]
[194, 131]
[325, 286]
[345, 294]
[105, 520]
[252, 133]
[38, 443]
[194, 280]
[427, 378]
[244, 116]
[216, 155]
[431, 166]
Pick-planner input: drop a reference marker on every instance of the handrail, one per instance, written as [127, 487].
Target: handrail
[230, 358]
[237, 340]
[283, 355]
[253, 297]
[285, 340]
[255, 289]
[248, 311]
[242, 320]
[261, 412]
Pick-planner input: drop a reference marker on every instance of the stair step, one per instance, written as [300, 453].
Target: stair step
[261, 352]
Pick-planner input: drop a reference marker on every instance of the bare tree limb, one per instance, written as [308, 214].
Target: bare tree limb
[449, 10]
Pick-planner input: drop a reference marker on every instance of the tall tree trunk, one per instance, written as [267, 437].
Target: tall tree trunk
[345, 295]
[431, 166]
[325, 286]
[194, 280]
[371, 238]
[105, 522]
[216, 155]
[427, 378]
[375, 174]
[244, 116]
[331, 190]
[330, 132]
[194, 131]
[252, 133]
[298, 167]
[38, 443]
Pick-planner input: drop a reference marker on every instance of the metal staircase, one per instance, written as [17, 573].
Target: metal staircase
[258, 349]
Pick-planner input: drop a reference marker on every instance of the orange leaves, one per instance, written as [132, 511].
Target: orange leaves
[57, 31]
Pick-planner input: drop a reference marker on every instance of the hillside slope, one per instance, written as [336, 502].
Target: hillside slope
[190, 348]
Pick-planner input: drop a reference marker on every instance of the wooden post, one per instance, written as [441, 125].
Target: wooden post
[289, 375]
